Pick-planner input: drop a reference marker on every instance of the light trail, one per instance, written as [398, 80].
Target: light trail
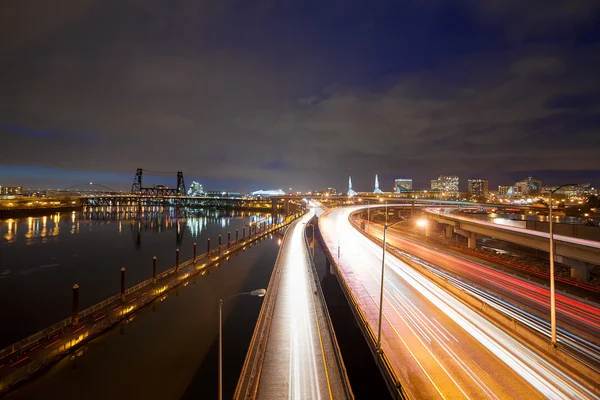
[571, 311]
[294, 343]
[472, 359]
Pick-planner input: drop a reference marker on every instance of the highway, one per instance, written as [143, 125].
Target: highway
[299, 361]
[438, 347]
[570, 310]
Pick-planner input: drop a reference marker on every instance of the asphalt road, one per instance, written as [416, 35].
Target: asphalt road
[438, 347]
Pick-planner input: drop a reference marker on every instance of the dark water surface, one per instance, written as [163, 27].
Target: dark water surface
[169, 350]
[42, 257]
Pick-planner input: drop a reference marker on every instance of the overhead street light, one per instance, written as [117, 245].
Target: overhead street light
[257, 292]
[552, 288]
[385, 228]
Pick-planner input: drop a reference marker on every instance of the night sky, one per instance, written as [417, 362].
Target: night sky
[243, 95]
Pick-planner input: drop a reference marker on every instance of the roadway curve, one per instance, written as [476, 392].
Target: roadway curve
[570, 311]
[438, 347]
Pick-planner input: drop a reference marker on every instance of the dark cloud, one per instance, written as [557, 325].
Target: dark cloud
[296, 93]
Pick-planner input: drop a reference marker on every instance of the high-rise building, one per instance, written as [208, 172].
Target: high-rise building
[529, 186]
[11, 190]
[578, 190]
[445, 183]
[402, 185]
[195, 189]
[478, 187]
[330, 191]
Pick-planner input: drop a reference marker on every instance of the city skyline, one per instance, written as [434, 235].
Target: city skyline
[442, 183]
[301, 198]
[249, 97]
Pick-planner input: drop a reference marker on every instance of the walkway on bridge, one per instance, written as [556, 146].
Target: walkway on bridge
[294, 351]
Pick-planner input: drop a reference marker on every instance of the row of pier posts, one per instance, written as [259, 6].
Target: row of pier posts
[252, 230]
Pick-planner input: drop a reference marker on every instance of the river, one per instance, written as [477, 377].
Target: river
[42, 257]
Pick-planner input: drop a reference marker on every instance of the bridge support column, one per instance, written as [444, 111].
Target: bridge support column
[219, 249]
[75, 312]
[448, 231]
[244, 233]
[194, 252]
[154, 269]
[428, 228]
[472, 241]
[274, 206]
[228, 239]
[176, 260]
[123, 283]
[208, 246]
[582, 274]
[329, 266]
[236, 235]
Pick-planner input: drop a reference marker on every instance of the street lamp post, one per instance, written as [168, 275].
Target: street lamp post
[385, 228]
[552, 288]
[312, 225]
[257, 292]
[368, 216]
[386, 212]
[368, 202]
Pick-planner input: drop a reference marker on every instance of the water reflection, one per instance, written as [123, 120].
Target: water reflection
[157, 219]
[12, 230]
[89, 248]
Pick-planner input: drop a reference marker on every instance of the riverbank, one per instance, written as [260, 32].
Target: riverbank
[34, 211]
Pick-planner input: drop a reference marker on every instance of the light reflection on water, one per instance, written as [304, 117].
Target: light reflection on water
[41, 258]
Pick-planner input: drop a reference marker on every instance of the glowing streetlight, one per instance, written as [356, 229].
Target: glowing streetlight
[257, 292]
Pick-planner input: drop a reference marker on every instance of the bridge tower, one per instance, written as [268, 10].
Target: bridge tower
[180, 184]
[137, 182]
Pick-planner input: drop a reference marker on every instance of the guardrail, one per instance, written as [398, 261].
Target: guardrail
[383, 362]
[29, 344]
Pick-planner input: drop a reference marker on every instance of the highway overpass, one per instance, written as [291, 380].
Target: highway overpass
[579, 254]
